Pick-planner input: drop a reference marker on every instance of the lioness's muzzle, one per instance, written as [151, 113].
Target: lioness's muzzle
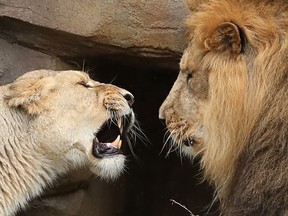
[108, 140]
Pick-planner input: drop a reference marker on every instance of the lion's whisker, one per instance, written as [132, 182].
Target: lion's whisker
[167, 140]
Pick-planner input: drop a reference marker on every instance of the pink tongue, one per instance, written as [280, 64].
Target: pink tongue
[101, 150]
[106, 148]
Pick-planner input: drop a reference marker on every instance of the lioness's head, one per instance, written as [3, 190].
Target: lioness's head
[74, 119]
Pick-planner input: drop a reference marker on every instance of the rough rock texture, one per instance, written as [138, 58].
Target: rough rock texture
[91, 27]
[16, 60]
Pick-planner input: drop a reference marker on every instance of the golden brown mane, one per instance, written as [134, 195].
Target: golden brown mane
[248, 87]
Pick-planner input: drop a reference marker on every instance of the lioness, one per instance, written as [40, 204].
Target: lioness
[229, 103]
[52, 122]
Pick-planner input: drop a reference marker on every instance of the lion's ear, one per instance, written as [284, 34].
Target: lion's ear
[226, 37]
[30, 93]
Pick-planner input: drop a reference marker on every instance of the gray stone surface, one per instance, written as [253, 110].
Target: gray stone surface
[16, 60]
[144, 28]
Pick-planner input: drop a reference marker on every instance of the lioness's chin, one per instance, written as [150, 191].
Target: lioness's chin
[109, 168]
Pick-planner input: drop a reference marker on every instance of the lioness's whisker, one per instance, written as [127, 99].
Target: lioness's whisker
[113, 79]
[139, 133]
[131, 148]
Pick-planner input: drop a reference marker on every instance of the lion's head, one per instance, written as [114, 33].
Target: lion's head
[229, 102]
[72, 119]
[183, 109]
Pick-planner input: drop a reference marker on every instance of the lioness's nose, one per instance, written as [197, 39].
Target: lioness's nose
[129, 97]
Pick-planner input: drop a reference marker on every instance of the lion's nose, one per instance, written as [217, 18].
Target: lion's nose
[130, 98]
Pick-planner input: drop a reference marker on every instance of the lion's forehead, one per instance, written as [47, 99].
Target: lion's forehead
[187, 61]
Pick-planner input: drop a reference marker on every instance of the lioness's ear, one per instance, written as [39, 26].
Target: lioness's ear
[30, 93]
[226, 37]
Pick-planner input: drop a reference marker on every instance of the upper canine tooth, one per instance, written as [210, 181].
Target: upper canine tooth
[117, 142]
[120, 124]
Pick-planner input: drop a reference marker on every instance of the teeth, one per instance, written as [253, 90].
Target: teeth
[117, 142]
[120, 125]
[119, 122]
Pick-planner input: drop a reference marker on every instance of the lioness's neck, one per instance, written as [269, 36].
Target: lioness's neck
[24, 169]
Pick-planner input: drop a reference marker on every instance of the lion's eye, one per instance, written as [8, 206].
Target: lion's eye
[189, 77]
[85, 84]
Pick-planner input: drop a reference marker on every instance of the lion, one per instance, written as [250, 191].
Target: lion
[53, 122]
[229, 103]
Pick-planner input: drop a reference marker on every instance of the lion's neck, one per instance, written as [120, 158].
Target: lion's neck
[25, 170]
[224, 118]
[241, 120]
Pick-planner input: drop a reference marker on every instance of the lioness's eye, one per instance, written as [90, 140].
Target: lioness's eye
[85, 84]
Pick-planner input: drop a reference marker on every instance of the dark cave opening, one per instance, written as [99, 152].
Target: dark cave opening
[153, 180]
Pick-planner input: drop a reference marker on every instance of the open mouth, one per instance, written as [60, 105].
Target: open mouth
[108, 140]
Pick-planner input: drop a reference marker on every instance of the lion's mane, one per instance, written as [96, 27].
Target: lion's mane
[246, 117]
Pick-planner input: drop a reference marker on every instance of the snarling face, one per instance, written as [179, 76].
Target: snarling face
[75, 119]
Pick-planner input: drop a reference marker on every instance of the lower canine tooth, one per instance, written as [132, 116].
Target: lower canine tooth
[117, 142]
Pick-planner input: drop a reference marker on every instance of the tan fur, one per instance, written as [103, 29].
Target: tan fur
[241, 47]
[48, 121]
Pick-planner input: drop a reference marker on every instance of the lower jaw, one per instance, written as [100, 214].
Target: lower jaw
[109, 168]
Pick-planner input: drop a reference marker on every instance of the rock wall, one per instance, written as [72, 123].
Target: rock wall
[88, 28]
[16, 60]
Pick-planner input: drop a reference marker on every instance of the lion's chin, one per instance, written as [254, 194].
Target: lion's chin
[109, 168]
[189, 152]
